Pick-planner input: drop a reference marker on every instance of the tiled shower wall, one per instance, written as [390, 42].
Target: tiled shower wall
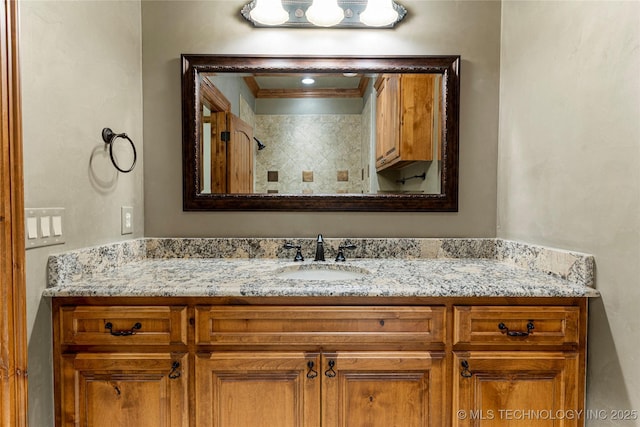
[315, 153]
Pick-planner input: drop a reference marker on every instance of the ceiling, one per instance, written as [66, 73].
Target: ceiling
[326, 85]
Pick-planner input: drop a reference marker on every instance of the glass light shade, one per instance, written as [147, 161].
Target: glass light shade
[325, 13]
[379, 13]
[269, 12]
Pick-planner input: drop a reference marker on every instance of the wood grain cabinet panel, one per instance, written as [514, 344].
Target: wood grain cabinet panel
[387, 120]
[123, 325]
[331, 327]
[516, 326]
[535, 389]
[235, 389]
[124, 389]
[384, 389]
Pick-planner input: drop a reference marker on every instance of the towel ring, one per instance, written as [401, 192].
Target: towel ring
[109, 137]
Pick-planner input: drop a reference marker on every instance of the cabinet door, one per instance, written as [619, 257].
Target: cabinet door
[383, 389]
[417, 116]
[124, 390]
[535, 389]
[388, 120]
[257, 389]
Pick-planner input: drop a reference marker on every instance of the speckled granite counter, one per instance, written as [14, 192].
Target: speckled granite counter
[249, 267]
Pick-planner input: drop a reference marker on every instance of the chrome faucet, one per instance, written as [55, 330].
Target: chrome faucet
[319, 249]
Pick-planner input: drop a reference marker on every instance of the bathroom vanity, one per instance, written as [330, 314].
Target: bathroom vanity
[210, 332]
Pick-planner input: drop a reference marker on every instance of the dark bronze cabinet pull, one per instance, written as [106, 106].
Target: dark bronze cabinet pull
[506, 330]
[311, 373]
[174, 373]
[466, 373]
[122, 333]
[330, 372]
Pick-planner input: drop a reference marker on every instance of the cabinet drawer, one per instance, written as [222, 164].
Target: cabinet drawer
[509, 325]
[284, 325]
[118, 325]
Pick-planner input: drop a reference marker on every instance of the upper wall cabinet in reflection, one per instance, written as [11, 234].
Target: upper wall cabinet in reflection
[367, 134]
[407, 120]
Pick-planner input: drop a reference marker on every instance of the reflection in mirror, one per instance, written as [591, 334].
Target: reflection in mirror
[317, 137]
[320, 133]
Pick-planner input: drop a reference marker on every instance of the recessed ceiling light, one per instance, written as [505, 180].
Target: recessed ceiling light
[308, 81]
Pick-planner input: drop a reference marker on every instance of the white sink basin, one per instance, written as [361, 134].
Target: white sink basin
[325, 272]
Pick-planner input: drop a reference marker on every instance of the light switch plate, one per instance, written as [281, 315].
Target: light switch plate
[44, 227]
[126, 220]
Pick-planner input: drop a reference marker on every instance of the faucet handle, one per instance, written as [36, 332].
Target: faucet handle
[298, 248]
[341, 248]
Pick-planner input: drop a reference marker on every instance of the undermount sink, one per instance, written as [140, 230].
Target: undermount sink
[325, 272]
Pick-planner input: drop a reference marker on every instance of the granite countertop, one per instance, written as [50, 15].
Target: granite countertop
[249, 268]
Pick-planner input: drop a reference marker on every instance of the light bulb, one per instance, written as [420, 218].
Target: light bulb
[379, 13]
[325, 13]
[269, 12]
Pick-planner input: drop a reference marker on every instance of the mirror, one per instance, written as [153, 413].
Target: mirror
[370, 134]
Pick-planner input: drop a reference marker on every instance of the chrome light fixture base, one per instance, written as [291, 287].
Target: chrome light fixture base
[298, 19]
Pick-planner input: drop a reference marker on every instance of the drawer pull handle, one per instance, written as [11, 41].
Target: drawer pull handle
[122, 333]
[174, 373]
[330, 372]
[465, 373]
[506, 330]
[311, 373]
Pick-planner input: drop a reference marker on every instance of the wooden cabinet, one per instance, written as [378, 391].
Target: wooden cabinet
[257, 389]
[121, 365]
[343, 389]
[533, 388]
[406, 119]
[387, 120]
[349, 370]
[382, 389]
[124, 389]
[201, 362]
[518, 365]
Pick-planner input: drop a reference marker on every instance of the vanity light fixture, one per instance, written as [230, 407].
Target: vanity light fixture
[379, 13]
[269, 12]
[324, 13]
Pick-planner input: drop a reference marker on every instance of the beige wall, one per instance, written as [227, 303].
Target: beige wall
[569, 164]
[81, 71]
[471, 29]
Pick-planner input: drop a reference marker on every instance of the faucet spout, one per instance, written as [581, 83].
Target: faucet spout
[319, 249]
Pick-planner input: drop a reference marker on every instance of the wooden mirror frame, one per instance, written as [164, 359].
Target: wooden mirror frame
[193, 200]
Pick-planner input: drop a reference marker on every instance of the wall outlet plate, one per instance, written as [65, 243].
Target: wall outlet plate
[126, 220]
